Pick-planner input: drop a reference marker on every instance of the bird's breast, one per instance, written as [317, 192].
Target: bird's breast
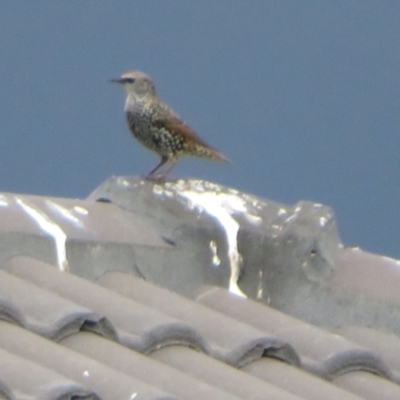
[140, 124]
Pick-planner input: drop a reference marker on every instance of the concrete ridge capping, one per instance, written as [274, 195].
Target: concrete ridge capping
[304, 234]
[289, 257]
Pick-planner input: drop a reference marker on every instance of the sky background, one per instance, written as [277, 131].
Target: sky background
[302, 96]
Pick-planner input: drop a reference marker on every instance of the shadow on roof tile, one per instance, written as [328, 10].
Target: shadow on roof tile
[5, 391]
[387, 345]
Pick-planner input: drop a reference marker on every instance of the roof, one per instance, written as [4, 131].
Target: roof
[189, 290]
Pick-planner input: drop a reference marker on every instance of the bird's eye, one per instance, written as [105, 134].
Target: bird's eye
[129, 80]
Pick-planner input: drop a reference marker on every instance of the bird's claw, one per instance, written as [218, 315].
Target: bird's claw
[155, 178]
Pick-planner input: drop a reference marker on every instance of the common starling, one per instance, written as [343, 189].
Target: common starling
[158, 127]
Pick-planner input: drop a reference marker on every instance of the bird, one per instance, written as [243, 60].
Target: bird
[156, 126]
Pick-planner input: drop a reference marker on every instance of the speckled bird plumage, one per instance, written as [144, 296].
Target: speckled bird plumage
[158, 127]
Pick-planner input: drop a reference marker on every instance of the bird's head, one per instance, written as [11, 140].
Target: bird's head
[137, 84]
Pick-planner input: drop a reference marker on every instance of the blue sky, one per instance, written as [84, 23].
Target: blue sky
[303, 97]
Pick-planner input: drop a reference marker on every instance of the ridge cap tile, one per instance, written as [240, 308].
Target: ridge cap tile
[77, 218]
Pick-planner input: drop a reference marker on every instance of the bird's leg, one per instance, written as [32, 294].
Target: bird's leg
[152, 177]
[166, 172]
[164, 159]
[161, 177]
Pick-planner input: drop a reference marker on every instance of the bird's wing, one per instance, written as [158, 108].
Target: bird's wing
[171, 121]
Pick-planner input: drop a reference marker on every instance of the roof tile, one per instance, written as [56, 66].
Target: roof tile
[219, 374]
[137, 326]
[368, 386]
[107, 382]
[296, 380]
[49, 314]
[387, 345]
[38, 382]
[228, 340]
[144, 368]
[322, 353]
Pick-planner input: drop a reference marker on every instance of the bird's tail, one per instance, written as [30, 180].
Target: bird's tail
[206, 151]
[216, 155]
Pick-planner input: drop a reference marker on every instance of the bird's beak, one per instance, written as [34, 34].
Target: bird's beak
[119, 81]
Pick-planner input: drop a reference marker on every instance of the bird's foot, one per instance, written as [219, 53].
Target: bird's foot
[155, 178]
